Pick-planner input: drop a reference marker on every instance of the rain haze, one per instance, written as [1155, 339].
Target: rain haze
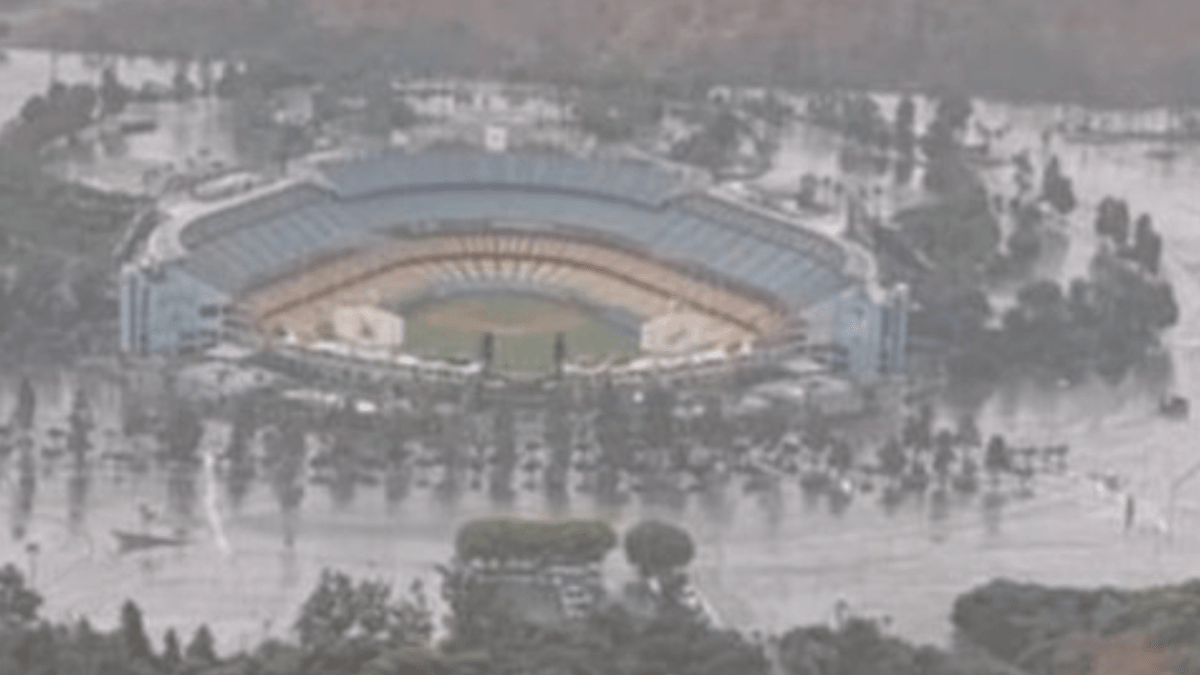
[629, 337]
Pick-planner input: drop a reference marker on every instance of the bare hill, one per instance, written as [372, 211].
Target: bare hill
[1121, 50]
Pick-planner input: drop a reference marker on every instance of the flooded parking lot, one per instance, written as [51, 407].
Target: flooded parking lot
[768, 559]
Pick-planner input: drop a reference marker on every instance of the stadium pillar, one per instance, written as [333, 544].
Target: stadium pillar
[487, 351]
[560, 353]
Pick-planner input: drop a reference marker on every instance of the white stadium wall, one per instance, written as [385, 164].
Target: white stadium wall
[164, 310]
[870, 329]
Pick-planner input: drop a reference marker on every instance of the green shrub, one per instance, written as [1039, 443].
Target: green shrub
[570, 541]
[655, 547]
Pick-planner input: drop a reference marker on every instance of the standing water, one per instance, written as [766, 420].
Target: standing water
[765, 563]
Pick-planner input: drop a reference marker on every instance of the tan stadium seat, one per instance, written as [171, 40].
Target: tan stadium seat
[604, 274]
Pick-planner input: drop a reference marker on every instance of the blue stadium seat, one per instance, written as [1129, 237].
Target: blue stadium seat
[400, 172]
[543, 190]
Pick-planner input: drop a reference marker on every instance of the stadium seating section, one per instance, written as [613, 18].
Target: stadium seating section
[621, 231]
[601, 274]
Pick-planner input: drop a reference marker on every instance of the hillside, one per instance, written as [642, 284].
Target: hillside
[1117, 50]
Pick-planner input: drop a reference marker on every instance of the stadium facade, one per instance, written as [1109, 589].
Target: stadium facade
[268, 265]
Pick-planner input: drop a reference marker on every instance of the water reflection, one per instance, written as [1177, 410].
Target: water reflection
[295, 534]
[23, 498]
[993, 511]
[771, 501]
[939, 513]
[77, 494]
[181, 493]
[287, 451]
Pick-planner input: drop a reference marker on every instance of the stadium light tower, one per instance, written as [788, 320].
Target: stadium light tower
[560, 353]
[487, 350]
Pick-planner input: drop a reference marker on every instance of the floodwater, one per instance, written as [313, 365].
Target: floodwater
[188, 133]
[767, 561]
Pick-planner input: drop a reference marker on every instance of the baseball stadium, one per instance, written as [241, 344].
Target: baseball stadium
[558, 262]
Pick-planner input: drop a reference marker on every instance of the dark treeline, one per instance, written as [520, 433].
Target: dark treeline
[361, 627]
[1104, 325]
[1048, 631]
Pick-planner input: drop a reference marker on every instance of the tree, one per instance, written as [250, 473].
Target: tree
[229, 83]
[338, 610]
[114, 96]
[954, 110]
[327, 614]
[904, 134]
[1113, 220]
[182, 87]
[557, 436]
[23, 416]
[202, 648]
[1147, 244]
[966, 432]
[944, 453]
[407, 661]
[172, 655]
[996, 458]
[1023, 173]
[891, 458]
[612, 426]
[473, 605]
[713, 146]
[35, 650]
[183, 432]
[659, 417]
[18, 603]
[655, 547]
[291, 141]
[950, 119]
[56, 93]
[133, 633]
[1024, 244]
[402, 115]
[858, 647]
[34, 109]
[841, 456]
[77, 491]
[918, 429]
[80, 425]
[241, 464]
[862, 120]
[1057, 189]
[242, 431]
[287, 452]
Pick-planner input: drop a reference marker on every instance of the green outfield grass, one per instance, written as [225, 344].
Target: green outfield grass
[524, 328]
